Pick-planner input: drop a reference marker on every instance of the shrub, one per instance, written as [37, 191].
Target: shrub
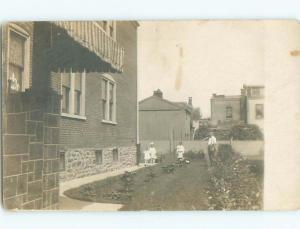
[246, 132]
[194, 155]
[202, 132]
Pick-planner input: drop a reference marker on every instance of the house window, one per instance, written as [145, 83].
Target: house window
[228, 112]
[259, 111]
[108, 91]
[73, 94]
[62, 161]
[99, 158]
[18, 72]
[115, 153]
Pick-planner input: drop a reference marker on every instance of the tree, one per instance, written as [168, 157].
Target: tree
[196, 113]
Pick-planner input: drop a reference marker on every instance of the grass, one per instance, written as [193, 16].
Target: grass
[154, 189]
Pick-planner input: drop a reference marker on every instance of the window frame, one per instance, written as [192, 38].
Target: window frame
[262, 105]
[27, 53]
[64, 161]
[97, 152]
[231, 112]
[115, 151]
[106, 117]
[72, 113]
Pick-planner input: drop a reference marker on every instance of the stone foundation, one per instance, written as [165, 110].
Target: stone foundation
[82, 162]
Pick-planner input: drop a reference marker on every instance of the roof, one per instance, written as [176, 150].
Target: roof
[155, 103]
[226, 97]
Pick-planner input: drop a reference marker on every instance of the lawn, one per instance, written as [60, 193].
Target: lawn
[190, 187]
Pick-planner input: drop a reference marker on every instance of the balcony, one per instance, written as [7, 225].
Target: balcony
[90, 36]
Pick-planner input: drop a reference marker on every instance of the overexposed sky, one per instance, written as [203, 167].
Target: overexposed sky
[199, 58]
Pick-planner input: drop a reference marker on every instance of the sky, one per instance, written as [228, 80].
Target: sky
[198, 58]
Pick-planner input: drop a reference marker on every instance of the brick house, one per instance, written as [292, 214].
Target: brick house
[225, 109]
[245, 108]
[161, 119]
[70, 105]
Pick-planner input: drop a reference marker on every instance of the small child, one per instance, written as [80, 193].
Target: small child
[147, 157]
[152, 152]
[180, 151]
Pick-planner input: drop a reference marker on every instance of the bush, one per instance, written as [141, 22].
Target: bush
[246, 132]
[202, 132]
[194, 155]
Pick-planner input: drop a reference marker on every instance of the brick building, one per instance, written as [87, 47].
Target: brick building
[70, 105]
[245, 108]
[225, 109]
[160, 119]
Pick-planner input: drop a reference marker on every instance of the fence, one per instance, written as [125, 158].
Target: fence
[250, 149]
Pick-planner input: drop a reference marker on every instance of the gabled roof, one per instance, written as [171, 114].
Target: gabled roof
[155, 103]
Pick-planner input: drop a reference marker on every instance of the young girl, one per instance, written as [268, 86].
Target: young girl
[147, 157]
[152, 151]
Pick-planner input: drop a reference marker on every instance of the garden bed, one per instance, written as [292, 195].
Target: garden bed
[169, 186]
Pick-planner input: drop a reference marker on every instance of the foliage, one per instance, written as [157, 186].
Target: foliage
[236, 132]
[233, 186]
[194, 155]
[196, 113]
[201, 133]
[246, 132]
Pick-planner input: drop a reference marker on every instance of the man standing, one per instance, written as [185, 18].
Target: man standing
[212, 147]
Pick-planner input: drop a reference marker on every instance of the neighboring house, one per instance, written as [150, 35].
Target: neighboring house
[245, 108]
[254, 99]
[225, 109]
[70, 105]
[160, 119]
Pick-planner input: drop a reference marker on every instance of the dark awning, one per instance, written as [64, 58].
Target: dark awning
[88, 46]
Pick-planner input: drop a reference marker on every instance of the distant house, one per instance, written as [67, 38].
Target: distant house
[253, 96]
[225, 109]
[245, 108]
[161, 119]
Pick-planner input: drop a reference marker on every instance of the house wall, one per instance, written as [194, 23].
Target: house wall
[92, 133]
[30, 139]
[81, 162]
[251, 113]
[159, 125]
[218, 110]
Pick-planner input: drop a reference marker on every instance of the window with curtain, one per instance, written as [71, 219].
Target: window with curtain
[16, 61]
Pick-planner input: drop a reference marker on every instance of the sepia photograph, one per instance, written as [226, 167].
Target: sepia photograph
[133, 115]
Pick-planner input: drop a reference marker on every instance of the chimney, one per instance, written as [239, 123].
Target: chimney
[158, 93]
[190, 101]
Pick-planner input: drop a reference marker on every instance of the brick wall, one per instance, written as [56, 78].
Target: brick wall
[30, 135]
[218, 110]
[82, 162]
[30, 160]
[93, 132]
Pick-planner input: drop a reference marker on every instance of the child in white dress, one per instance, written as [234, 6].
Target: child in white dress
[152, 151]
[147, 157]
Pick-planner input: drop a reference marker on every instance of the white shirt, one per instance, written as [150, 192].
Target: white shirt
[180, 151]
[152, 152]
[212, 140]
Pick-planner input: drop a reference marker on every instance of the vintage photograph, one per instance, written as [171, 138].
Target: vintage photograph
[133, 115]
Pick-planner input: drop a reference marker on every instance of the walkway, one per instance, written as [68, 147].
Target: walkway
[68, 204]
